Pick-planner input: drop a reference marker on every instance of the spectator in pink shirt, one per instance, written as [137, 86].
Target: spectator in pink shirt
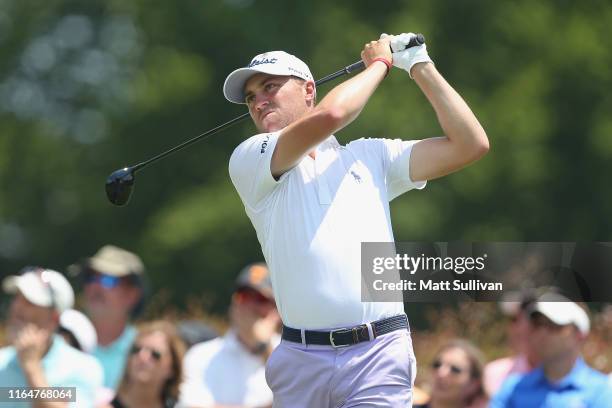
[524, 359]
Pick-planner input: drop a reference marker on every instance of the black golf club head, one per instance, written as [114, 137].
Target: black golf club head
[119, 186]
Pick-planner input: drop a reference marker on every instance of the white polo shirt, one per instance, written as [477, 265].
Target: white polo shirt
[223, 371]
[311, 222]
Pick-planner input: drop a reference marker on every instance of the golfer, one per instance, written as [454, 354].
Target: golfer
[312, 202]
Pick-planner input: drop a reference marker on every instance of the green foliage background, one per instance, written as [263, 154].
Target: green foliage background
[135, 78]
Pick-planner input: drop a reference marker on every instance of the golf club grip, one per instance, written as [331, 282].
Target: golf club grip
[418, 39]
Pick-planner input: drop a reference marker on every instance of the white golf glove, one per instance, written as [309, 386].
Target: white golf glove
[406, 58]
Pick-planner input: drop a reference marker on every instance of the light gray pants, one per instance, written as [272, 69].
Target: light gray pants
[378, 373]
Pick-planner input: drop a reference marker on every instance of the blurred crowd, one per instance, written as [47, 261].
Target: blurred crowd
[114, 363]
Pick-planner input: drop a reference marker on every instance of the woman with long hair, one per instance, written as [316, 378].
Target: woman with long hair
[153, 371]
[457, 377]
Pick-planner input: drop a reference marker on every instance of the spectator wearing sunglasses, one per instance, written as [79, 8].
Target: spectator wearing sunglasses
[113, 292]
[457, 377]
[230, 370]
[154, 369]
[38, 356]
[558, 329]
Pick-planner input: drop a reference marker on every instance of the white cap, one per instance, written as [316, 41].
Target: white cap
[273, 62]
[42, 287]
[81, 328]
[562, 311]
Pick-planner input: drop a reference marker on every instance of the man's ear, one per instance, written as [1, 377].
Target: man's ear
[311, 93]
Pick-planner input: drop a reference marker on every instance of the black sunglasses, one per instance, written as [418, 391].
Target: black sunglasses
[154, 353]
[453, 368]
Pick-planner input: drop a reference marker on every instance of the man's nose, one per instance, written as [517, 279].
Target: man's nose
[261, 101]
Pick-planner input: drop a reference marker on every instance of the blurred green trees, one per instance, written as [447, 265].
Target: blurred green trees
[88, 87]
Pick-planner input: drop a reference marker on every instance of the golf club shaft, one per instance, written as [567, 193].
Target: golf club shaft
[417, 40]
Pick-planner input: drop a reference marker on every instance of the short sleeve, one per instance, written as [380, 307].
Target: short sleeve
[397, 165]
[249, 168]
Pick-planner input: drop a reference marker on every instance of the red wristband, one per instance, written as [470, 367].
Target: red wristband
[387, 63]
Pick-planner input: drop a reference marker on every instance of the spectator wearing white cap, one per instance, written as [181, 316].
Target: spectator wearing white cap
[558, 330]
[78, 331]
[37, 356]
[113, 291]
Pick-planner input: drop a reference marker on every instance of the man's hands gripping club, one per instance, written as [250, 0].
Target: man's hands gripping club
[406, 58]
[377, 51]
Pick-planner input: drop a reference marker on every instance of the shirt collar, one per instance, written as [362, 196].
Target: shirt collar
[231, 340]
[576, 377]
[55, 349]
[123, 341]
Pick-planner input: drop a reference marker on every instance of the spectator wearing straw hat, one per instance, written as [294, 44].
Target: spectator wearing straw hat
[37, 357]
[113, 289]
[558, 329]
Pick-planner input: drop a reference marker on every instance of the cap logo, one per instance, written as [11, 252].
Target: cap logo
[262, 61]
[298, 72]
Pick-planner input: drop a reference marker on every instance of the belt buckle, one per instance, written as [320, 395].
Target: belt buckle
[331, 337]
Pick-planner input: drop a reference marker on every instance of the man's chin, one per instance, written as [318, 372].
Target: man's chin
[271, 125]
[273, 128]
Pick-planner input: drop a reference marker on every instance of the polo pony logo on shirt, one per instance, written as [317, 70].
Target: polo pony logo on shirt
[262, 61]
[356, 176]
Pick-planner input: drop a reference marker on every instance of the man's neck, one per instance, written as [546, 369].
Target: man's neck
[109, 330]
[557, 368]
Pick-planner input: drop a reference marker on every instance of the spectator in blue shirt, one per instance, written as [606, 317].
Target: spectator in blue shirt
[113, 290]
[558, 330]
[37, 356]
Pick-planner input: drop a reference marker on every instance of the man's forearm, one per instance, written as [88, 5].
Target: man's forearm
[336, 110]
[458, 122]
[351, 96]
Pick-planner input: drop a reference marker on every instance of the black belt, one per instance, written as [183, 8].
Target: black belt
[346, 336]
